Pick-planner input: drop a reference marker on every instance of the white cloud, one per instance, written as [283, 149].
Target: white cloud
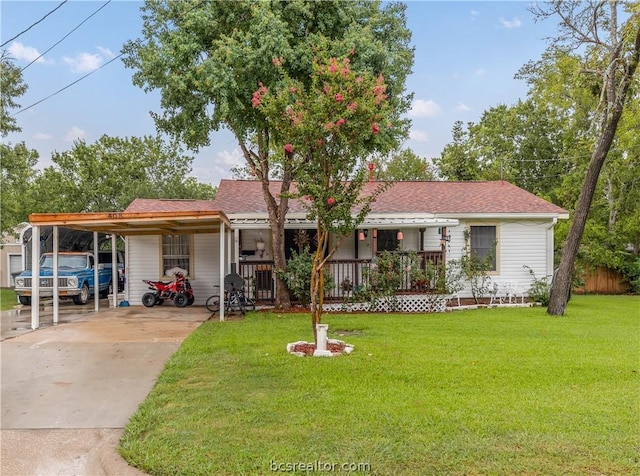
[474, 14]
[26, 53]
[230, 159]
[84, 62]
[509, 24]
[74, 133]
[106, 52]
[480, 72]
[422, 108]
[462, 107]
[418, 135]
[43, 136]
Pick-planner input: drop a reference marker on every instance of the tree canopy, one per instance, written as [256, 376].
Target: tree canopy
[546, 143]
[110, 173]
[207, 59]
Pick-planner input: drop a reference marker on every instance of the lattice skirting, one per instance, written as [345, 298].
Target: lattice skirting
[410, 303]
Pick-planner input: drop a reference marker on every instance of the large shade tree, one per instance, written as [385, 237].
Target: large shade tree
[18, 161]
[110, 173]
[326, 128]
[611, 54]
[207, 59]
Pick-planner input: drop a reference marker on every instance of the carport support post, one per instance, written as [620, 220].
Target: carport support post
[56, 303]
[96, 273]
[35, 277]
[115, 270]
[222, 269]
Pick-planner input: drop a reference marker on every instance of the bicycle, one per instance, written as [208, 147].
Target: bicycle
[234, 299]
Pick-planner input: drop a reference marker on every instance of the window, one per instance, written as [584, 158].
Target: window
[176, 252]
[388, 240]
[482, 241]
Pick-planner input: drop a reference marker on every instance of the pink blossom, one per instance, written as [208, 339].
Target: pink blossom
[340, 122]
[352, 106]
[344, 72]
[375, 128]
[329, 125]
[256, 100]
[288, 148]
[333, 68]
[339, 97]
[331, 201]
[278, 61]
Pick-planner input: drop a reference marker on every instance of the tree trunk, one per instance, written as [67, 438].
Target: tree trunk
[562, 280]
[277, 212]
[615, 97]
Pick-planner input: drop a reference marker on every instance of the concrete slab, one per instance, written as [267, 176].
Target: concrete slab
[69, 389]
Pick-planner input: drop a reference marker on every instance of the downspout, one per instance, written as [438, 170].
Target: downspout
[550, 246]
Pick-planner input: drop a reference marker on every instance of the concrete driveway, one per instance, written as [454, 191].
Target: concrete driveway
[68, 390]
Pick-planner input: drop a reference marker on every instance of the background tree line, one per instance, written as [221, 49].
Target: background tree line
[543, 143]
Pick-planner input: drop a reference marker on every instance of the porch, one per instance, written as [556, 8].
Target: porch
[348, 277]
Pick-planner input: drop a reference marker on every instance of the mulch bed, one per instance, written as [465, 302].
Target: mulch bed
[309, 348]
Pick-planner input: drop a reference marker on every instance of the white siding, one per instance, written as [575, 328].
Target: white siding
[143, 257]
[522, 242]
[206, 267]
[144, 263]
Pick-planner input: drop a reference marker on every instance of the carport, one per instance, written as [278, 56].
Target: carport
[121, 224]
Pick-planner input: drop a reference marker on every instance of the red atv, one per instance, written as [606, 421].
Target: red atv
[179, 291]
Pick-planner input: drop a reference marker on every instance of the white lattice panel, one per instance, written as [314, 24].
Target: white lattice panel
[414, 303]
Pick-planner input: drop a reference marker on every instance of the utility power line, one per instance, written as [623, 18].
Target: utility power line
[65, 36]
[24, 31]
[67, 86]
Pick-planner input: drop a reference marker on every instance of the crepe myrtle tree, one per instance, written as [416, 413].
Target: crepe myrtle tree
[326, 127]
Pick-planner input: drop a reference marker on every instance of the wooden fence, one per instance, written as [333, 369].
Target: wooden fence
[603, 281]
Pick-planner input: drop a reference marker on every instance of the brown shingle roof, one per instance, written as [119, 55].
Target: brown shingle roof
[491, 197]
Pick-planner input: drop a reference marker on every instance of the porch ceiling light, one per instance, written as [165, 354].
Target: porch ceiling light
[362, 235]
[400, 236]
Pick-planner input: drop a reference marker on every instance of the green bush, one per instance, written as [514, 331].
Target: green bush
[297, 276]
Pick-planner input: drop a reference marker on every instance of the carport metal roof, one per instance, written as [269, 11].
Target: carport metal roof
[136, 223]
[129, 224]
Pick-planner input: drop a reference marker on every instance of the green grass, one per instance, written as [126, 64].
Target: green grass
[496, 391]
[7, 299]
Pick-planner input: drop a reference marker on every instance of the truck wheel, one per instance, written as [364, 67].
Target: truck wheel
[180, 300]
[82, 298]
[25, 300]
[149, 299]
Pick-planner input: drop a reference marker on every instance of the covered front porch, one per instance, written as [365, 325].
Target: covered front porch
[351, 265]
[348, 277]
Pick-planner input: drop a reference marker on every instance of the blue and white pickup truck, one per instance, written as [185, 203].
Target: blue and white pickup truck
[75, 276]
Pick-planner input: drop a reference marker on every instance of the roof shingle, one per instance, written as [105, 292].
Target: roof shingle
[491, 197]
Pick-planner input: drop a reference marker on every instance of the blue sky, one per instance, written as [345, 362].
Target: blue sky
[466, 56]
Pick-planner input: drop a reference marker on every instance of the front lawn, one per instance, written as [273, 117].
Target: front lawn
[7, 299]
[496, 391]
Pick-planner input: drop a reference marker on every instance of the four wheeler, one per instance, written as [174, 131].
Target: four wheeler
[179, 290]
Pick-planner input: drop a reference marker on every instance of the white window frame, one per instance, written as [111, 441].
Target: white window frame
[495, 225]
[177, 253]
